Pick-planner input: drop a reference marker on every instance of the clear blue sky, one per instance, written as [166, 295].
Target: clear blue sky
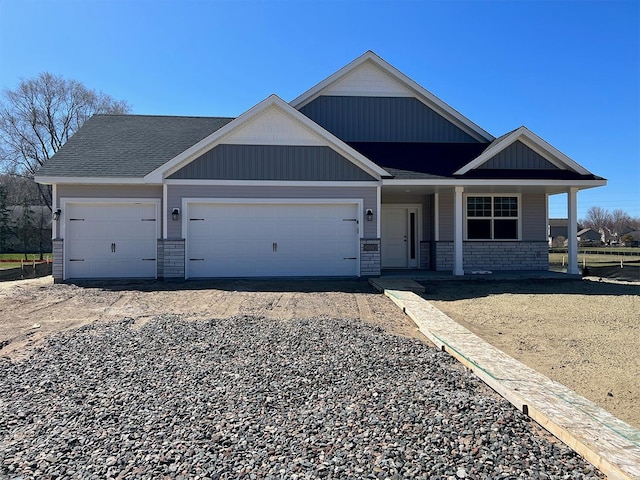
[568, 70]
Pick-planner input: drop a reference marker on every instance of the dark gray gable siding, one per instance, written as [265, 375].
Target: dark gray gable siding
[272, 162]
[518, 156]
[382, 119]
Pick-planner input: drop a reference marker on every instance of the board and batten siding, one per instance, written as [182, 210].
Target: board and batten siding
[176, 193]
[382, 119]
[533, 216]
[272, 162]
[518, 156]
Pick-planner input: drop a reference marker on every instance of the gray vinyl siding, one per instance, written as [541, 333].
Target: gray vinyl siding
[382, 119]
[445, 216]
[272, 162]
[518, 156]
[109, 191]
[177, 192]
[534, 217]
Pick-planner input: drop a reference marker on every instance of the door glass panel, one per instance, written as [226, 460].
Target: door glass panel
[412, 236]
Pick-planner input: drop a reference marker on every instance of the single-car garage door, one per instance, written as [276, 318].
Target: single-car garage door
[263, 240]
[110, 240]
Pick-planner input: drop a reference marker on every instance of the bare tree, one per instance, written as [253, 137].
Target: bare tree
[40, 115]
[597, 219]
[619, 221]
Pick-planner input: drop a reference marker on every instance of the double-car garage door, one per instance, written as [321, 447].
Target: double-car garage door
[264, 240]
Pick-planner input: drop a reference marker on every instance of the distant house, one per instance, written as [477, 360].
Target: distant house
[635, 239]
[558, 229]
[587, 237]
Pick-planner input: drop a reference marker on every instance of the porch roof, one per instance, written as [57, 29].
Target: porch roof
[422, 161]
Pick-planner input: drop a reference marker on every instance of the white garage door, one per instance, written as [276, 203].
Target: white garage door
[249, 240]
[110, 240]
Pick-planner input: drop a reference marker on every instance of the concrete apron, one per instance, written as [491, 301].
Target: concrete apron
[605, 441]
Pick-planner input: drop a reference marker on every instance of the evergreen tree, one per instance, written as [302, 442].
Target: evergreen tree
[6, 228]
[25, 227]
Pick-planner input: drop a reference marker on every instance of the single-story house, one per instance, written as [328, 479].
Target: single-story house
[365, 171]
[632, 238]
[587, 236]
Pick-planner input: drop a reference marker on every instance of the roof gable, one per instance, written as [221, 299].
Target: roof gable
[546, 155]
[370, 75]
[518, 156]
[271, 122]
[272, 127]
[368, 79]
[272, 163]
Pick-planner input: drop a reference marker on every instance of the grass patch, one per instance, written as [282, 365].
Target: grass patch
[592, 259]
[14, 260]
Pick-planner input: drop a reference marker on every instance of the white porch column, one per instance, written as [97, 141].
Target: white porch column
[572, 240]
[457, 240]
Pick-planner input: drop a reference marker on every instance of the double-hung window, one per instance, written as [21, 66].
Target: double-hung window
[492, 217]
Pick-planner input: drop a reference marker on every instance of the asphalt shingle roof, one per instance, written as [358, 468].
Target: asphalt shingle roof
[126, 146]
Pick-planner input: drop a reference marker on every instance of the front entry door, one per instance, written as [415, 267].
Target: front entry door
[399, 242]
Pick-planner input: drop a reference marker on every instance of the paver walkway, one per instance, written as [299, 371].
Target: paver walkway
[607, 442]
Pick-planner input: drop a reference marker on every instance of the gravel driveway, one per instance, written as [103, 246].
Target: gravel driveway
[250, 397]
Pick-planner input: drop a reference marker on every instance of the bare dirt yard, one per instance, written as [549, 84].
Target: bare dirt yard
[30, 310]
[584, 334]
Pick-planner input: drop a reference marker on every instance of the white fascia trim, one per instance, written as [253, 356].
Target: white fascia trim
[424, 95]
[54, 207]
[271, 183]
[378, 210]
[273, 100]
[164, 215]
[532, 141]
[93, 180]
[485, 183]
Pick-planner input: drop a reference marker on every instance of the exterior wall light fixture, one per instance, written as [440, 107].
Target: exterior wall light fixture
[369, 215]
[175, 214]
[56, 214]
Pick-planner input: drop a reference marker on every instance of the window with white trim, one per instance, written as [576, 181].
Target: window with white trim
[492, 217]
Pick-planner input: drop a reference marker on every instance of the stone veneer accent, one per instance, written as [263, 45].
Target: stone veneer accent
[369, 257]
[425, 255]
[443, 256]
[57, 270]
[160, 259]
[171, 260]
[495, 255]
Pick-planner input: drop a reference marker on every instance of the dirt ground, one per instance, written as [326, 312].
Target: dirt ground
[583, 334]
[32, 309]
